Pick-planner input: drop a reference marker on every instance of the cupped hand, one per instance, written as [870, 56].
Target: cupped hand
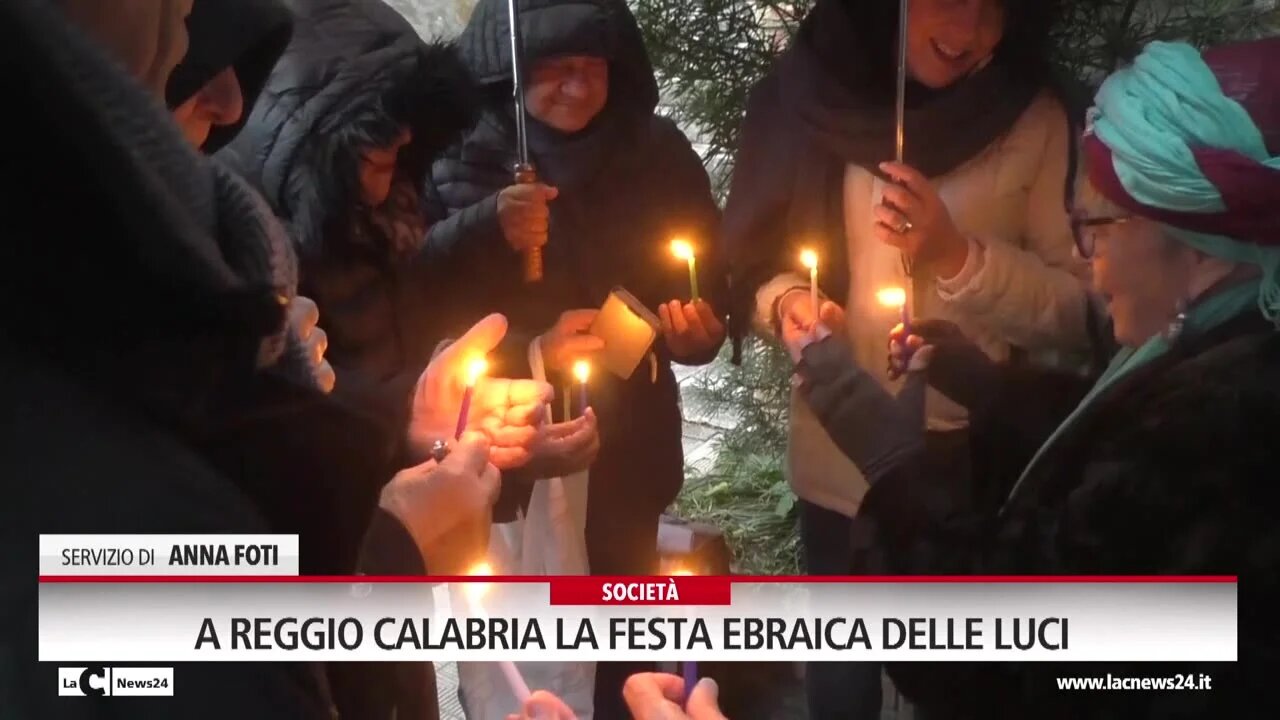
[690, 329]
[508, 411]
[563, 448]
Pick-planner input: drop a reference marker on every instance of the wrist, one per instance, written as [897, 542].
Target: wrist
[952, 261]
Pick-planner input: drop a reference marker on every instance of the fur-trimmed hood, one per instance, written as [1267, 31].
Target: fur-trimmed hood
[354, 74]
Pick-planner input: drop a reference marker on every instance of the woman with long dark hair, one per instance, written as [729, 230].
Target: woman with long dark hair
[975, 213]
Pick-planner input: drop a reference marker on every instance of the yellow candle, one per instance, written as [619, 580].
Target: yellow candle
[684, 251]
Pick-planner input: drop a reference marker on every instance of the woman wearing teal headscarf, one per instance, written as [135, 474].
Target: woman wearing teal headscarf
[1169, 463]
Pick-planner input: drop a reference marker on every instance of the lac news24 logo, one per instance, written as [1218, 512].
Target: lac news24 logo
[118, 682]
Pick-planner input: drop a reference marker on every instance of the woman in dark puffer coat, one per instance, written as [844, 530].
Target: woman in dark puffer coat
[337, 142]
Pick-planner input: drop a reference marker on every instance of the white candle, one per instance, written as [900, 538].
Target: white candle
[474, 592]
[809, 259]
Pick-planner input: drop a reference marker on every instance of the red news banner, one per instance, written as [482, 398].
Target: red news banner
[238, 598]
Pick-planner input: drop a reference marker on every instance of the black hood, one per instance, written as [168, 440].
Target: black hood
[601, 28]
[354, 74]
[249, 35]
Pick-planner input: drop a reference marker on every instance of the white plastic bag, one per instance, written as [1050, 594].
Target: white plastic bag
[549, 539]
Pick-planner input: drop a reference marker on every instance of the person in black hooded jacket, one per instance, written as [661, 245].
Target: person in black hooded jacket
[618, 182]
[345, 124]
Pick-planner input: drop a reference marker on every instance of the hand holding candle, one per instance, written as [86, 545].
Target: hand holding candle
[684, 251]
[896, 297]
[508, 411]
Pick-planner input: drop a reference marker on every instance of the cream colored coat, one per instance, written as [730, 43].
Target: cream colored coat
[1021, 286]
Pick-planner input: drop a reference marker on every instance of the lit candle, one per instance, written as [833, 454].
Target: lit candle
[475, 592]
[809, 259]
[475, 369]
[582, 371]
[683, 250]
[896, 297]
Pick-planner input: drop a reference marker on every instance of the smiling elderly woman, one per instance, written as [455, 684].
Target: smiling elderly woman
[1167, 465]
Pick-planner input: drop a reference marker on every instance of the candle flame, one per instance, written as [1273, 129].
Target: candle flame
[475, 369]
[809, 259]
[894, 297]
[682, 249]
[582, 370]
[477, 590]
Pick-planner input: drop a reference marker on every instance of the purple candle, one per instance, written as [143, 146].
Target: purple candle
[690, 670]
[474, 371]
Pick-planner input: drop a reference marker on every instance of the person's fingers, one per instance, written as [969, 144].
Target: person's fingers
[652, 696]
[470, 454]
[704, 701]
[579, 346]
[550, 192]
[679, 323]
[481, 339]
[832, 315]
[577, 321]
[884, 234]
[529, 414]
[907, 176]
[921, 358]
[915, 342]
[303, 315]
[318, 345]
[510, 458]
[889, 217]
[542, 705]
[325, 377]
[707, 315]
[903, 200]
[698, 333]
[528, 392]
[664, 319]
[502, 435]
[490, 483]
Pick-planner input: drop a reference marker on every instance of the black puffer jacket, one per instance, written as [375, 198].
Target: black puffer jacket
[353, 77]
[1169, 472]
[628, 182]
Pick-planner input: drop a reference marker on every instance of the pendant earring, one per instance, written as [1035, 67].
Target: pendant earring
[1178, 323]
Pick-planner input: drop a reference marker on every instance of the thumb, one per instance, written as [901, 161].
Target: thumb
[481, 339]
[550, 192]
[704, 701]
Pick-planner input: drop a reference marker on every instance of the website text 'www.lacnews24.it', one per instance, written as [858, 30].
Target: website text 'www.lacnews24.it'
[1188, 681]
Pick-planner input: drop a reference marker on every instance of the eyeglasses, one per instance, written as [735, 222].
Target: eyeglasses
[1082, 228]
